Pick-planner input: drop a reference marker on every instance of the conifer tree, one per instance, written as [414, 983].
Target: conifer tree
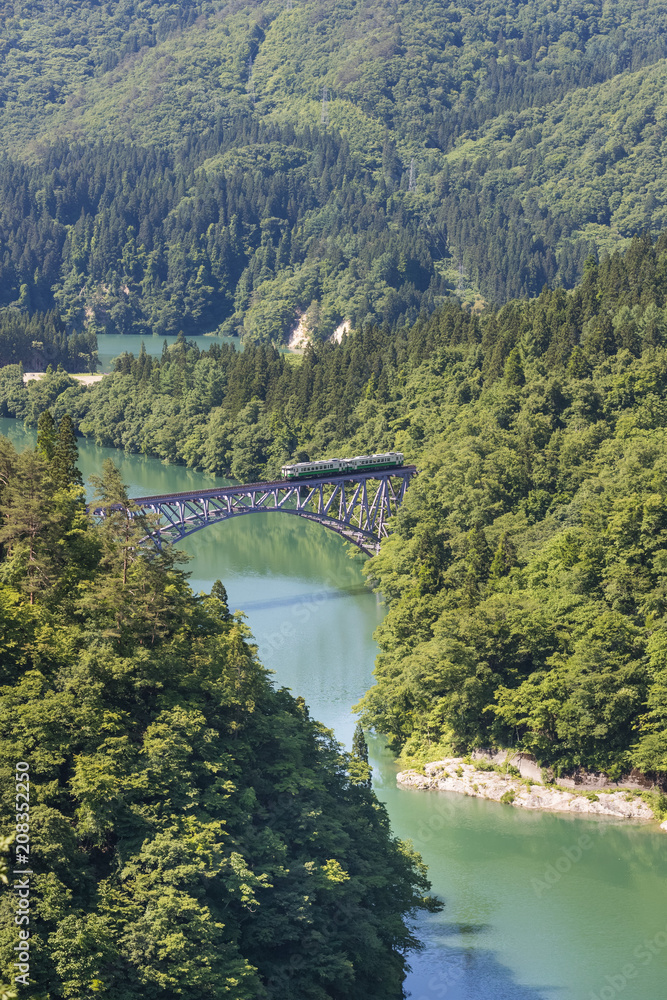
[578, 366]
[478, 554]
[504, 557]
[360, 770]
[29, 527]
[118, 525]
[47, 437]
[219, 592]
[66, 456]
[110, 491]
[514, 374]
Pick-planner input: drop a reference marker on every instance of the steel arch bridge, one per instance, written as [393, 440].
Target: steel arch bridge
[356, 506]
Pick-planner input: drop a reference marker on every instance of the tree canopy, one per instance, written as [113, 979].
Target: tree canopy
[251, 169]
[525, 571]
[193, 831]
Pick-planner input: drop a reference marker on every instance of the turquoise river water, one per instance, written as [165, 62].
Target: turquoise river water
[530, 913]
[110, 345]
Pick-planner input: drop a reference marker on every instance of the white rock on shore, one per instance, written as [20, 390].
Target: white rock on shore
[453, 775]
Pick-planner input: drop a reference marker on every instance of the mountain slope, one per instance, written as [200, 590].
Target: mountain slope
[593, 162]
[239, 166]
[427, 71]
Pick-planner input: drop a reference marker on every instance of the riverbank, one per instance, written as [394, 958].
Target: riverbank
[83, 379]
[480, 780]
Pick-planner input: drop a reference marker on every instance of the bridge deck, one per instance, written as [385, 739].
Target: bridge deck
[357, 505]
[274, 484]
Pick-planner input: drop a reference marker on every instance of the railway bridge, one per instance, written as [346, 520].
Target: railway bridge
[356, 505]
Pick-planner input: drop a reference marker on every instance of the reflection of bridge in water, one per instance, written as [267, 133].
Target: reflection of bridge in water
[355, 505]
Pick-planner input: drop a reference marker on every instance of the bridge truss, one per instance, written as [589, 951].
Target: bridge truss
[354, 505]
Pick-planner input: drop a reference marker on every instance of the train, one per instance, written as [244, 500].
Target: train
[332, 466]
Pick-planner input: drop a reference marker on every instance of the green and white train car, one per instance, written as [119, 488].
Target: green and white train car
[332, 466]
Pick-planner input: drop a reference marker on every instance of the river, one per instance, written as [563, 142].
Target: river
[111, 345]
[538, 906]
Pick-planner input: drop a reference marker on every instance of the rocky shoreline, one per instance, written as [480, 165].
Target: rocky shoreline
[453, 774]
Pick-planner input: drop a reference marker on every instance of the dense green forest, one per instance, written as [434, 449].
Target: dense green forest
[239, 231]
[526, 571]
[462, 205]
[35, 341]
[240, 167]
[193, 832]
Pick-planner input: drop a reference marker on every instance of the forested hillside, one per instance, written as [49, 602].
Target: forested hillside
[37, 340]
[526, 573]
[192, 831]
[208, 165]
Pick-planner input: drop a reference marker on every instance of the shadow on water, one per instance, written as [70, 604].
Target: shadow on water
[453, 965]
[276, 548]
[318, 595]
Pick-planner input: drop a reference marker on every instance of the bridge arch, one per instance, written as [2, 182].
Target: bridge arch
[355, 506]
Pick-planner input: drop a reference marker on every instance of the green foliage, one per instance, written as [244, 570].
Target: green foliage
[193, 831]
[360, 771]
[657, 802]
[35, 341]
[245, 230]
[526, 570]
[46, 436]
[507, 798]
[42, 526]
[554, 643]
[174, 167]
[514, 369]
[66, 455]
[243, 413]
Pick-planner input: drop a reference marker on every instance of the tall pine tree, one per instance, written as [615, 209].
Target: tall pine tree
[360, 770]
[47, 437]
[66, 456]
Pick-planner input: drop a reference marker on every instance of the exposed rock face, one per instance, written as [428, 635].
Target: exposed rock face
[337, 336]
[583, 780]
[299, 335]
[453, 775]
